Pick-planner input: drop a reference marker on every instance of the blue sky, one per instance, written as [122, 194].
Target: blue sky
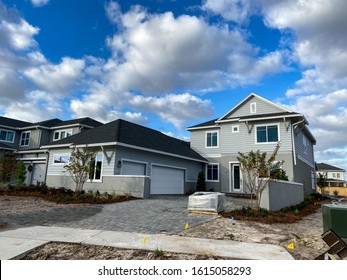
[173, 64]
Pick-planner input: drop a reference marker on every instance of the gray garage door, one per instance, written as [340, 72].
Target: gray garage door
[133, 168]
[165, 180]
[39, 170]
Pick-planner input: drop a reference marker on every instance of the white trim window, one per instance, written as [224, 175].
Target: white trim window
[267, 134]
[212, 172]
[25, 138]
[95, 172]
[6, 135]
[212, 139]
[253, 107]
[235, 129]
[60, 134]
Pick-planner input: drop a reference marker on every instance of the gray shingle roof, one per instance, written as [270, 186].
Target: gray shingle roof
[48, 123]
[326, 167]
[208, 123]
[83, 121]
[125, 132]
[5, 147]
[13, 123]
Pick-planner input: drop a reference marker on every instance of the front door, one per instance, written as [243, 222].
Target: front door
[236, 184]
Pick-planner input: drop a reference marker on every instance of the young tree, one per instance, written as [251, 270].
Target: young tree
[256, 169]
[20, 173]
[201, 182]
[80, 166]
[7, 168]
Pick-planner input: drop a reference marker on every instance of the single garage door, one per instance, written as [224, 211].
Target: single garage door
[133, 168]
[165, 180]
[39, 170]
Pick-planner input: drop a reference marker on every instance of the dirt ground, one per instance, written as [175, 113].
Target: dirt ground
[305, 234]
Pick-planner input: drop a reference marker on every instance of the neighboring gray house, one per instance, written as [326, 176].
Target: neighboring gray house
[255, 124]
[335, 176]
[9, 135]
[131, 159]
[24, 140]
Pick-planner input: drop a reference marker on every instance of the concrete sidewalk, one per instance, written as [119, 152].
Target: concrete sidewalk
[17, 242]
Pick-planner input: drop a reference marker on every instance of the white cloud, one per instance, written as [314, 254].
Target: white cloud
[17, 35]
[58, 78]
[103, 113]
[238, 11]
[327, 115]
[174, 108]
[39, 3]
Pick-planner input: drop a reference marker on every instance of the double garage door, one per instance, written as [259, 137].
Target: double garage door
[164, 180]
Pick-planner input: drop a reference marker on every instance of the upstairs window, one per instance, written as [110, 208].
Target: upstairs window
[253, 107]
[25, 138]
[235, 129]
[6, 135]
[60, 134]
[267, 134]
[212, 139]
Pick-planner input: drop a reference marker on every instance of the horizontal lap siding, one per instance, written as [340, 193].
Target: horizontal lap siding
[262, 108]
[56, 169]
[244, 142]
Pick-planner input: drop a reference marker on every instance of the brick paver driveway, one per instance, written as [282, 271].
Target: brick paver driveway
[158, 214]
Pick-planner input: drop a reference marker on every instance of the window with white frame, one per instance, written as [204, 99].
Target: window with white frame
[235, 129]
[253, 107]
[212, 171]
[25, 138]
[212, 139]
[267, 134]
[96, 168]
[60, 134]
[6, 135]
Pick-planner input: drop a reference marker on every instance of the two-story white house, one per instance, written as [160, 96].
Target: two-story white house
[335, 176]
[255, 124]
[24, 141]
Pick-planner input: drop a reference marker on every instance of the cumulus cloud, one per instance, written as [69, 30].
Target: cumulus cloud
[154, 55]
[32, 88]
[238, 11]
[56, 78]
[39, 3]
[174, 108]
[17, 35]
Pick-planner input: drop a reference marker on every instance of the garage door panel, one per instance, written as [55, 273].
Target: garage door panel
[165, 180]
[133, 168]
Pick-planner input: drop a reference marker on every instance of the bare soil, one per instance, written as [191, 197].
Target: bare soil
[305, 234]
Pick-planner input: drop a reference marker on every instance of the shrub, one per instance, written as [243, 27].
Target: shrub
[20, 173]
[201, 182]
[336, 192]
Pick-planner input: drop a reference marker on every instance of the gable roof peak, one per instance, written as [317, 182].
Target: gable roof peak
[248, 97]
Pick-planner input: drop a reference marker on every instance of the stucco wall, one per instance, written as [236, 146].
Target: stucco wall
[137, 186]
[280, 194]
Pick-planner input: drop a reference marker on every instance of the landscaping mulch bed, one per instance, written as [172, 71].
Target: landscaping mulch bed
[289, 215]
[66, 196]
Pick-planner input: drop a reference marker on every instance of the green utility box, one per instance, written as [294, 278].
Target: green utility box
[335, 218]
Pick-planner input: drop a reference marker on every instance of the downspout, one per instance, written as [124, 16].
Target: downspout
[293, 138]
